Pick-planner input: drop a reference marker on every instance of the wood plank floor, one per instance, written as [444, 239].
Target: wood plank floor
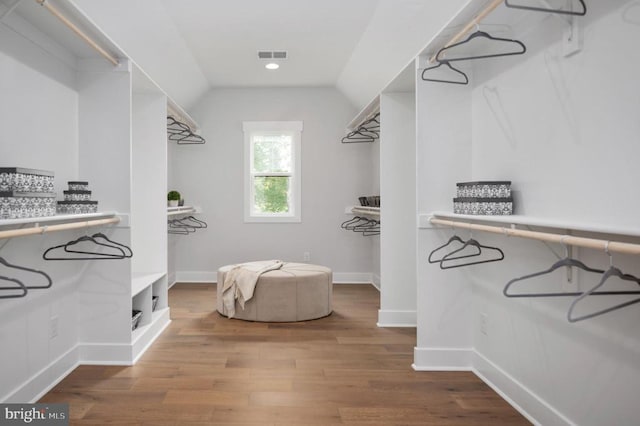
[340, 370]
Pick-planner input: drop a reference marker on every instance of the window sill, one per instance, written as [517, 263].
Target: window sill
[272, 219]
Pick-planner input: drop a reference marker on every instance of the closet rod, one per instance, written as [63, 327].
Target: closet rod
[55, 12]
[592, 243]
[174, 110]
[52, 228]
[475, 21]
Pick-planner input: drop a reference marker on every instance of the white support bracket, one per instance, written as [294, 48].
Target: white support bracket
[424, 221]
[573, 37]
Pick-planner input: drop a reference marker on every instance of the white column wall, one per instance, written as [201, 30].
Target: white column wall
[149, 172]
[398, 206]
[376, 179]
[564, 130]
[105, 162]
[444, 299]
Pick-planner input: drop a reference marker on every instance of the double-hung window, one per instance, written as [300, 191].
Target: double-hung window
[272, 171]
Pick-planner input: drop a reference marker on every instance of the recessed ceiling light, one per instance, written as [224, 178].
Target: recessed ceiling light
[272, 66]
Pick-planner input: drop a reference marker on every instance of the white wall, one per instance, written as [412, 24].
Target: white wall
[40, 131]
[565, 131]
[333, 176]
[375, 239]
[398, 206]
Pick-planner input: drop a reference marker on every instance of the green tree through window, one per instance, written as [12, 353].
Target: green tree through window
[271, 194]
[273, 178]
[272, 160]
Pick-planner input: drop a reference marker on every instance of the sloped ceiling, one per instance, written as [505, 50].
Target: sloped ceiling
[191, 46]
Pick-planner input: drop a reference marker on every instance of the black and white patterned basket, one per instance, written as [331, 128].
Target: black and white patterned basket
[483, 206]
[22, 205]
[77, 207]
[26, 180]
[484, 189]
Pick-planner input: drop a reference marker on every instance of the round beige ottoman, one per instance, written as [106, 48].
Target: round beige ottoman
[295, 292]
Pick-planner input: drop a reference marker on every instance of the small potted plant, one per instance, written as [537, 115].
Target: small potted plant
[173, 197]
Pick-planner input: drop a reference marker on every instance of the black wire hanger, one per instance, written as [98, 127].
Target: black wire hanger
[181, 133]
[566, 262]
[20, 286]
[86, 238]
[454, 72]
[612, 272]
[178, 224]
[473, 243]
[521, 48]
[91, 255]
[549, 9]
[359, 136]
[368, 131]
[125, 248]
[35, 271]
[197, 223]
[453, 239]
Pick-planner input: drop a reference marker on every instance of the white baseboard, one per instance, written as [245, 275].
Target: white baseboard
[442, 359]
[44, 380]
[171, 279]
[530, 405]
[388, 318]
[526, 402]
[352, 278]
[105, 354]
[155, 329]
[376, 281]
[85, 354]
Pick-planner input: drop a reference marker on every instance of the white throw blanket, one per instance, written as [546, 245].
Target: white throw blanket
[241, 280]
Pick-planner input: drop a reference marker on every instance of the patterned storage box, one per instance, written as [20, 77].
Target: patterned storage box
[77, 207]
[77, 185]
[20, 205]
[483, 206]
[77, 195]
[484, 189]
[26, 180]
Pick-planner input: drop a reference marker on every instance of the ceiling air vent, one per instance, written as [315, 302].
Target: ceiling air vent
[272, 54]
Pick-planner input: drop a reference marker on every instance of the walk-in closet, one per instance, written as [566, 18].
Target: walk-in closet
[285, 212]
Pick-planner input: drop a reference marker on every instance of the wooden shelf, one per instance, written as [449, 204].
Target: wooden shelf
[367, 211]
[174, 211]
[363, 210]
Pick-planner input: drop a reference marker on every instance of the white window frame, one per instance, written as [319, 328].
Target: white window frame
[295, 129]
